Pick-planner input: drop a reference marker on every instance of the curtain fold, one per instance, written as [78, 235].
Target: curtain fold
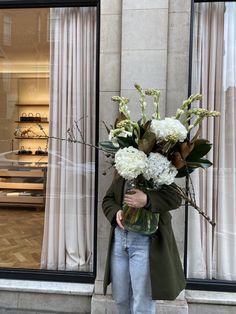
[69, 211]
[212, 253]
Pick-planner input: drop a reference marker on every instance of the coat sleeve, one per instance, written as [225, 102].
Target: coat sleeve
[109, 205]
[164, 199]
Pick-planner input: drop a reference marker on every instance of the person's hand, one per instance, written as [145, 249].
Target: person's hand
[137, 199]
[119, 218]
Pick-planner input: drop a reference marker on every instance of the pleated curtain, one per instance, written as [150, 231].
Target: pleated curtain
[212, 252]
[69, 213]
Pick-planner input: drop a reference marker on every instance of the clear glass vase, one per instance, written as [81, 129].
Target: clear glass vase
[139, 220]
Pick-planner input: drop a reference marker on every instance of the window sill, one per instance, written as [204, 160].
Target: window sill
[210, 297]
[47, 287]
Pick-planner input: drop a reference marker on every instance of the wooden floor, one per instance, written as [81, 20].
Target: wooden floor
[21, 234]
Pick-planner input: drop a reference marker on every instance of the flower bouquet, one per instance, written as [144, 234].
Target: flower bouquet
[152, 152]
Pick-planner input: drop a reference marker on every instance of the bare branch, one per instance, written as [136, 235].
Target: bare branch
[78, 129]
[178, 190]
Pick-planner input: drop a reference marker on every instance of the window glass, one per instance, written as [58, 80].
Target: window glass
[47, 98]
[212, 252]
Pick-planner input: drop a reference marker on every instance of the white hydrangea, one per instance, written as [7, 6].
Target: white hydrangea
[130, 162]
[168, 129]
[160, 169]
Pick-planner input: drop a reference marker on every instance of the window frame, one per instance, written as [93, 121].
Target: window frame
[200, 284]
[57, 275]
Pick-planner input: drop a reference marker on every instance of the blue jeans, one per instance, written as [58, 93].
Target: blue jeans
[130, 274]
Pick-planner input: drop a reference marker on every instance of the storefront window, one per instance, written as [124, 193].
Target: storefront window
[47, 95]
[212, 252]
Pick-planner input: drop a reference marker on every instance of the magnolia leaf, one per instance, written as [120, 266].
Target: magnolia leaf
[126, 142]
[147, 125]
[177, 160]
[147, 142]
[201, 148]
[185, 149]
[191, 166]
[142, 130]
[108, 146]
[193, 140]
[202, 163]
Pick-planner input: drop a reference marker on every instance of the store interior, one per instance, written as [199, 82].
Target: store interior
[24, 124]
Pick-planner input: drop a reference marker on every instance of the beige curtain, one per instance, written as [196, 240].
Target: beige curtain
[212, 253]
[69, 212]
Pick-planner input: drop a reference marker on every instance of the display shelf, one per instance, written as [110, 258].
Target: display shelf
[33, 155]
[22, 174]
[32, 105]
[23, 200]
[31, 138]
[32, 122]
[23, 186]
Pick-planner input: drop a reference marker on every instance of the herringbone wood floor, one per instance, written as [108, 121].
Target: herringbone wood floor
[21, 234]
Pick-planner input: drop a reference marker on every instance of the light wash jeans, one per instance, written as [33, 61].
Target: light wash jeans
[130, 274]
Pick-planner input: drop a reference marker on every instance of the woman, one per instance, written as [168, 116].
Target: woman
[141, 268]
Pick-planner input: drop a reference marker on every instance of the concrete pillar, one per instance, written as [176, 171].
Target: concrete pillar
[139, 44]
[110, 49]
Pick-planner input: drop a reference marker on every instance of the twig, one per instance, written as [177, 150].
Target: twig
[71, 139]
[71, 135]
[76, 141]
[182, 194]
[78, 129]
[107, 169]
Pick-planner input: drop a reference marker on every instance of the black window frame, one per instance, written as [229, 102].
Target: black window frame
[57, 275]
[200, 284]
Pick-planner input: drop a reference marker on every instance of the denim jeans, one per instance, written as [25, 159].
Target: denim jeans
[130, 274]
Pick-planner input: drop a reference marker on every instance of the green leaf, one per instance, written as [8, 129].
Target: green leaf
[201, 148]
[126, 142]
[108, 146]
[200, 163]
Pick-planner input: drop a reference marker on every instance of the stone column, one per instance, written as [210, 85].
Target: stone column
[140, 42]
[144, 49]
[110, 49]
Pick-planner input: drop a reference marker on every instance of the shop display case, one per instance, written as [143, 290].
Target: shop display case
[23, 186]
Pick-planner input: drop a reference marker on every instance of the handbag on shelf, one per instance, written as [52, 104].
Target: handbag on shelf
[23, 117]
[22, 151]
[37, 117]
[30, 117]
[41, 152]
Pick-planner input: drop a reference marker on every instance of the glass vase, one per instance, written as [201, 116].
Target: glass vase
[139, 220]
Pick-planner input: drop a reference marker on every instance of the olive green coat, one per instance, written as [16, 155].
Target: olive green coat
[167, 278]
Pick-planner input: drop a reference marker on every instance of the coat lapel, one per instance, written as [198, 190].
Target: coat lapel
[119, 190]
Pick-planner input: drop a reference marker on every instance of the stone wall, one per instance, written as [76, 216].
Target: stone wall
[143, 41]
[147, 41]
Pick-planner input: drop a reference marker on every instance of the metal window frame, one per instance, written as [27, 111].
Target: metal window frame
[50, 275]
[200, 284]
